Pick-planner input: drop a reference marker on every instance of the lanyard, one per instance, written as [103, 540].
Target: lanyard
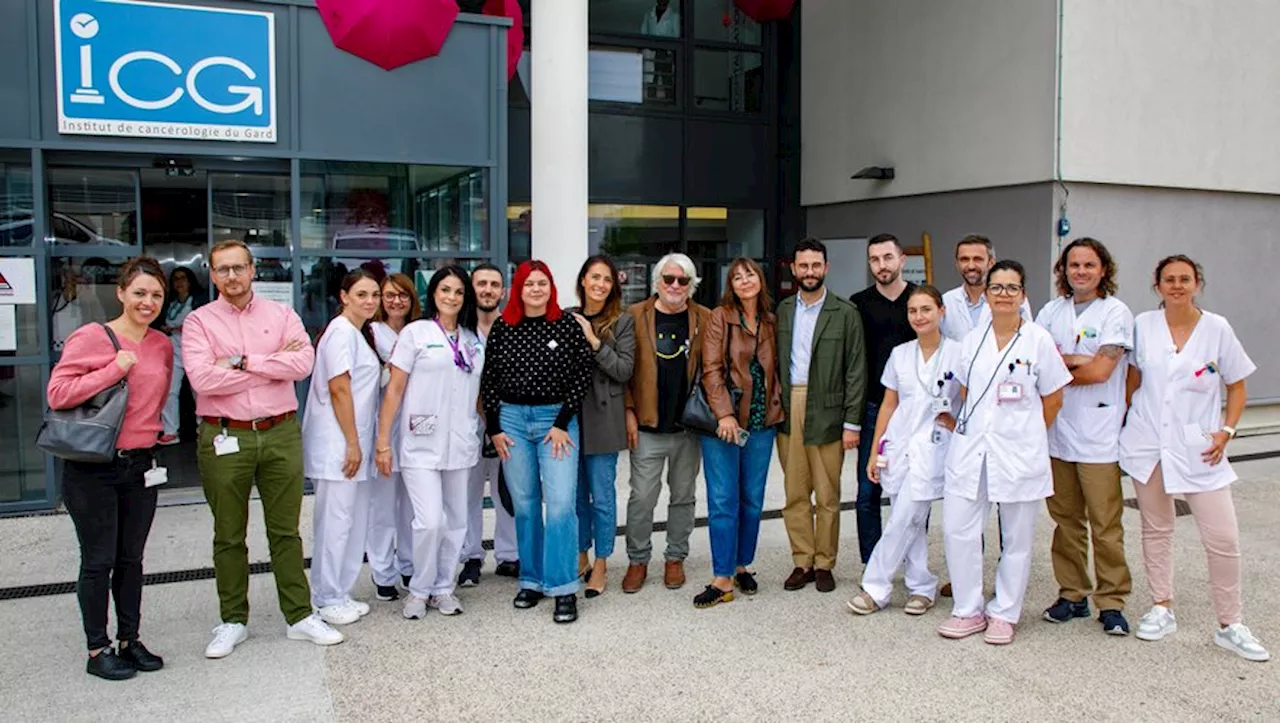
[964, 418]
[460, 360]
[176, 308]
[931, 369]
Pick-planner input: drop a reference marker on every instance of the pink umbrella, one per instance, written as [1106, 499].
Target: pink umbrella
[763, 11]
[515, 35]
[389, 33]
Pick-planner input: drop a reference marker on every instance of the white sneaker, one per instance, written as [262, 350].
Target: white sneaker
[225, 639]
[446, 604]
[340, 614]
[415, 608]
[361, 609]
[313, 628]
[1158, 623]
[1240, 641]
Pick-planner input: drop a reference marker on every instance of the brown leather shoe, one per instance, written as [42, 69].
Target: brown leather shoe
[798, 578]
[945, 591]
[826, 582]
[673, 574]
[634, 579]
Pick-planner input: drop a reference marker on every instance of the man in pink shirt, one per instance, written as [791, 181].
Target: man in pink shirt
[243, 355]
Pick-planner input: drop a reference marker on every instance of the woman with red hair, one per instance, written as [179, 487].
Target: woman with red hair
[537, 371]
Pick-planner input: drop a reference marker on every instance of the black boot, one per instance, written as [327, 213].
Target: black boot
[142, 659]
[566, 608]
[526, 599]
[108, 666]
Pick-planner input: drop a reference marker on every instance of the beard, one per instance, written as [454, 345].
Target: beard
[812, 284]
[974, 278]
[884, 278]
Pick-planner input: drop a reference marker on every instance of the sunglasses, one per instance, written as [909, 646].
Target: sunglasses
[670, 279]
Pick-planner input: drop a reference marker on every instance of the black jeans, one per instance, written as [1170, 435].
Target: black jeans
[112, 511]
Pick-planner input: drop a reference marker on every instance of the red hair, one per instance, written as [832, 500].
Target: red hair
[514, 312]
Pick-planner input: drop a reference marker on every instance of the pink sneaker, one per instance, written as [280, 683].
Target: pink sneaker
[999, 632]
[168, 440]
[958, 627]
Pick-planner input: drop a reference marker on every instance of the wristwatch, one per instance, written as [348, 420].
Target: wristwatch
[1231, 431]
[238, 362]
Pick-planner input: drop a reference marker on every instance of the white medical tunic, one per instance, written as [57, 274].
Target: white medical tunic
[342, 350]
[384, 339]
[1180, 402]
[438, 418]
[959, 319]
[1008, 436]
[915, 445]
[1088, 427]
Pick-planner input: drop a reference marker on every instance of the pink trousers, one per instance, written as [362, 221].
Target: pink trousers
[1215, 515]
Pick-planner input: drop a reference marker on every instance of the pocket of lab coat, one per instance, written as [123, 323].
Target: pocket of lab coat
[1195, 442]
[1203, 383]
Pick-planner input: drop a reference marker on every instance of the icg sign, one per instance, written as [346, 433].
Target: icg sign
[155, 70]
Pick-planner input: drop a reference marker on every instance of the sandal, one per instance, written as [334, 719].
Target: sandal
[597, 582]
[712, 596]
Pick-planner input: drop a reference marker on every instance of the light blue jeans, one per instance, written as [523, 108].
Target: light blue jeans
[736, 478]
[598, 503]
[548, 558]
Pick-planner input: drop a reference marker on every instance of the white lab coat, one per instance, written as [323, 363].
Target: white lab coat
[341, 350]
[384, 338]
[1180, 402]
[668, 26]
[913, 455]
[1088, 427]
[1009, 438]
[958, 322]
[438, 388]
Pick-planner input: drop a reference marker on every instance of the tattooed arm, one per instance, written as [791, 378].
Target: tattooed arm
[1097, 368]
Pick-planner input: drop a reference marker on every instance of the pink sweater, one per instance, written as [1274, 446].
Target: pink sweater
[88, 366]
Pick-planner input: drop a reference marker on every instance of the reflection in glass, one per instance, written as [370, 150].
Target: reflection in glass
[728, 81]
[717, 236]
[636, 236]
[21, 413]
[93, 206]
[83, 291]
[656, 18]
[251, 208]
[16, 221]
[712, 21]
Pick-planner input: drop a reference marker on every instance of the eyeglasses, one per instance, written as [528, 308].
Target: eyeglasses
[396, 296]
[670, 279]
[226, 272]
[1005, 289]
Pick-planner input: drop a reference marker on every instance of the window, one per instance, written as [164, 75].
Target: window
[82, 291]
[16, 222]
[21, 413]
[728, 81]
[93, 206]
[715, 22]
[251, 208]
[716, 237]
[655, 18]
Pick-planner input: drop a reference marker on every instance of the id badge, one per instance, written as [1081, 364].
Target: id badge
[941, 405]
[422, 425]
[1009, 392]
[155, 476]
[225, 444]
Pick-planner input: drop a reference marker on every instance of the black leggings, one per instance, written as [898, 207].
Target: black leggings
[112, 511]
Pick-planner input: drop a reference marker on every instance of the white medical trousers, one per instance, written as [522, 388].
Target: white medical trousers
[963, 523]
[904, 539]
[439, 500]
[389, 544]
[504, 533]
[340, 519]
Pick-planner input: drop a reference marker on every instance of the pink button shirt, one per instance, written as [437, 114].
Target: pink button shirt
[218, 330]
[88, 366]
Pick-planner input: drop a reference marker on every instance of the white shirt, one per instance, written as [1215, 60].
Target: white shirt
[384, 339]
[175, 315]
[439, 400]
[668, 26]
[914, 444]
[1008, 437]
[1088, 427]
[806, 321]
[963, 317]
[341, 350]
[1180, 402]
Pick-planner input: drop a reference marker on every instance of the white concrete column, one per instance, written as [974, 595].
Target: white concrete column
[559, 152]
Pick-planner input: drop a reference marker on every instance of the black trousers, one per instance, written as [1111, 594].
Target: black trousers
[112, 511]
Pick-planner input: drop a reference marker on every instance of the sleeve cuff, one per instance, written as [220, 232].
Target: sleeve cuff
[564, 417]
[852, 427]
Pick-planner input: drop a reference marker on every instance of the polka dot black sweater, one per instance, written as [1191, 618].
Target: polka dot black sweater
[536, 362]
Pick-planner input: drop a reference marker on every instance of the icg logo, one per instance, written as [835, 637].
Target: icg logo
[132, 68]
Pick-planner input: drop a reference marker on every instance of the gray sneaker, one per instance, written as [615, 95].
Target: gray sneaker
[415, 608]
[446, 604]
[1240, 641]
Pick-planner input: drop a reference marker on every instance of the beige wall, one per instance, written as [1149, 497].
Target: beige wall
[954, 94]
[1175, 93]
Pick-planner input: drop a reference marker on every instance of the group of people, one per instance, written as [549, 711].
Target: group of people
[414, 405]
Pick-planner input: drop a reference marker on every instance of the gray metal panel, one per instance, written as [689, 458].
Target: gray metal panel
[351, 108]
[634, 158]
[727, 164]
[15, 59]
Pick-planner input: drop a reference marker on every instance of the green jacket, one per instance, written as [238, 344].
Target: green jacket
[837, 369]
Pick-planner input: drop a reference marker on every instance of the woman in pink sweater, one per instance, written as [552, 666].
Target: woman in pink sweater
[109, 503]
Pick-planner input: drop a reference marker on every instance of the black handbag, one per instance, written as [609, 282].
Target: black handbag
[697, 416]
[87, 433]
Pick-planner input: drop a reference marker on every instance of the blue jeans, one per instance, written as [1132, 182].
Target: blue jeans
[736, 479]
[868, 501]
[598, 503]
[548, 560]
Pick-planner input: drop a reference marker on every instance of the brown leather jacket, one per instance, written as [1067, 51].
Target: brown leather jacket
[642, 390]
[741, 347]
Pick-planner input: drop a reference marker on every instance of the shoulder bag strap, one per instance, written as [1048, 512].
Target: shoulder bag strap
[112, 336]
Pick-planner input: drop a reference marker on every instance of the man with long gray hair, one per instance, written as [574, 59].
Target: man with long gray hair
[668, 339]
